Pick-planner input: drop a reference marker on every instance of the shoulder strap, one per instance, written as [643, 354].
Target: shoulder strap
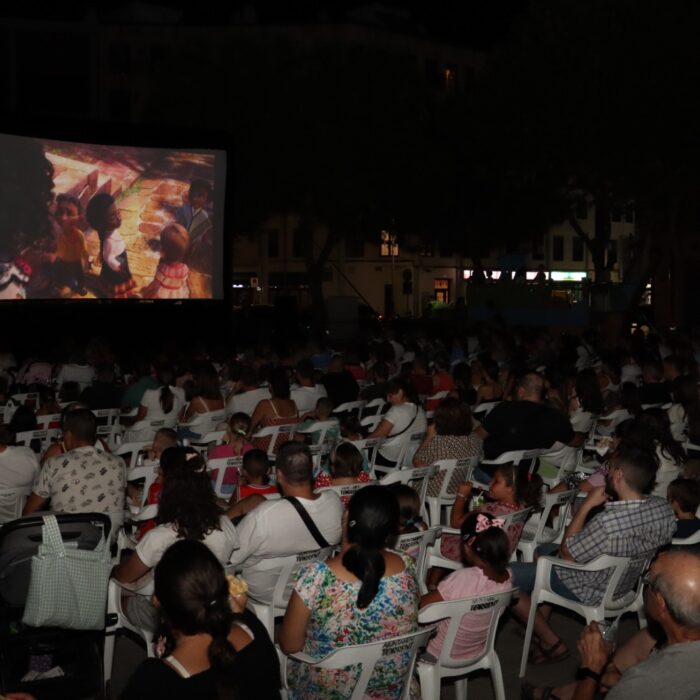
[310, 524]
[274, 408]
[401, 432]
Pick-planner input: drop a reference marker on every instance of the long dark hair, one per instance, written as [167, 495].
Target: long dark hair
[187, 501]
[165, 375]
[193, 597]
[527, 488]
[373, 517]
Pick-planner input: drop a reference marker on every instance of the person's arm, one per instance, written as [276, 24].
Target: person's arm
[34, 503]
[594, 658]
[428, 598]
[418, 459]
[140, 415]
[130, 570]
[245, 505]
[595, 498]
[459, 511]
[481, 431]
[109, 255]
[382, 430]
[258, 416]
[293, 631]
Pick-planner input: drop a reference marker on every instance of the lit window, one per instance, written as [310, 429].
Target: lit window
[389, 247]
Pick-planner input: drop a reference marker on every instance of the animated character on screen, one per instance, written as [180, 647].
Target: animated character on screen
[25, 194]
[71, 252]
[195, 218]
[170, 281]
[103, 215]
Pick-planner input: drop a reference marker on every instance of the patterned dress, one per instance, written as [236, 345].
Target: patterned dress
[336, 621]
[170, 282]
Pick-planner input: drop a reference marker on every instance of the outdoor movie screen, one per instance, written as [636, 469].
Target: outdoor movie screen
[87, 221]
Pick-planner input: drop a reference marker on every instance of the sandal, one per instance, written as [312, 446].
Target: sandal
[527, 692]
[543, 656]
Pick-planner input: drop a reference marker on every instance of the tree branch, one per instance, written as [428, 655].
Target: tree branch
[577, 228]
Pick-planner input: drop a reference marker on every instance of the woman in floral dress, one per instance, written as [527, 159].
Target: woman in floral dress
[364, 594]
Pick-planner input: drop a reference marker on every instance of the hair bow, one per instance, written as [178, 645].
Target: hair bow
[191, 455]
[483, 522]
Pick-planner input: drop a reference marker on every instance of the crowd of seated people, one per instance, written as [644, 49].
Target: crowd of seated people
[560, 397]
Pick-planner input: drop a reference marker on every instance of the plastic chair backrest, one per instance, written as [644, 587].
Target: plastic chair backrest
[416, 544]
[349, 407]
[483, 409]
[148, 471]
[347, 491]
[43, 422]
[323, 427]
[368, 655]
[12, 501]
[369, 447]
[274, 432]
[520, 516]
[455, 610]
[418, 478]
[222, 466]
[449, 473]
[563, 500]
[20, 540]
[107, 416]
[375, 407]
[681, 542]
[410, 444]
[28, 437]
[133, 449]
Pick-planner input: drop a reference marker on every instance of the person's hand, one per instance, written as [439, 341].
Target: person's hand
[593, 649]
[596, 497]
[465, 489]
[238, 602]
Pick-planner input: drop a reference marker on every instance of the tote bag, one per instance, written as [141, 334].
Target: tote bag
[68, 586]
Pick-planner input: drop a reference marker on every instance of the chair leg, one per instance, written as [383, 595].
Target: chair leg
[499, 691]
[429, 679]
[108, 656]
[528, 631]
[461, 688]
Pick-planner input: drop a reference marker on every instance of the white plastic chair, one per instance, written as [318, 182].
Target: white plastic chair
[369, 447]
[483, 409]
[323, 427]
[370, 423]
[148, 471]
[45, 437]
[536, 531]
[206, 442]
[346, 491]
[116, 620]
[446, 666]
[608, 606]
[409, 444]
[681, 542]
[418, 478]
[368, 655]
[222, 466]
[442, 489]
[435, 397]
[111, 435]
[12, 502]
[274, 432]
[107, 416]
[134, 449]
[615, 418]
[285, 568]
[375, 407]
[349, 407]
[144, 430]
[203, 423]
[43, 422]
[417, 545]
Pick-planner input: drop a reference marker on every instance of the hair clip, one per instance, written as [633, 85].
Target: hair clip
[483, 522]
[352, 523]
[212, 603]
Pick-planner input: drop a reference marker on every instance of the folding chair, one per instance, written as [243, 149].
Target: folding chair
[367, 656]
[608, 606]
[285, 569]
[446, 666]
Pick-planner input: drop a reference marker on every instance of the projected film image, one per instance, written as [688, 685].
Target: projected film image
[92, 221]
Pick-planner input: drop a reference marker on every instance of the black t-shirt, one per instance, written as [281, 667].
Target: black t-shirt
[524, 425]
[256, 674]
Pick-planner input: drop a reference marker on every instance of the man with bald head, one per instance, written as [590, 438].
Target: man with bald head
[672, 598]
[526, 423]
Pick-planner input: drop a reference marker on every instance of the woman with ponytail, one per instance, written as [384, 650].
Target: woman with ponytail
[211, 647]
[165, 402]
[364, 594]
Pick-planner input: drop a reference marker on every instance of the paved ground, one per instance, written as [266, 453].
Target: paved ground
[509, 645]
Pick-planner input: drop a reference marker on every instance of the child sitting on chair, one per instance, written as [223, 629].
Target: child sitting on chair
[684, 499]
[345, 469]
[485, 551]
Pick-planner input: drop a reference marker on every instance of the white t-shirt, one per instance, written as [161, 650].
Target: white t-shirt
[247, 401]
[306, 397]
[275, 529]
[406, 418]
[83, 374]
[151, 401]
[19, 466]
[154, 543]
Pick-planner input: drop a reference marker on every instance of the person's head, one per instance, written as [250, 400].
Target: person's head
[238, 427]
[588, 392]
[187, 501]
[530, 387]
[513, 483]
[409, 507]
[399, 391]
[103, 214]
[79, 428]
[631, 473]
[164, 438]
[26, 181]
[190, 593]
[324, 408]
[294, 465]
[200, 194]
[684, 496]
[207, 383]
[305, 372]
[347, 461]
[174, 243]
[652, 372]
[279, 384]
[672, 593]
[371, 518]
[68, 212]
[484, 542]
[453, 417]
[350, 427]
[255, 466]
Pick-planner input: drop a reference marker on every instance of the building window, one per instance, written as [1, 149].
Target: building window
[354, 247]
[557, 248]
[273, 243]
[427, 250]
[582, 209]
[441, 290]
[300, 243]
[577, 253]
[388, 247]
